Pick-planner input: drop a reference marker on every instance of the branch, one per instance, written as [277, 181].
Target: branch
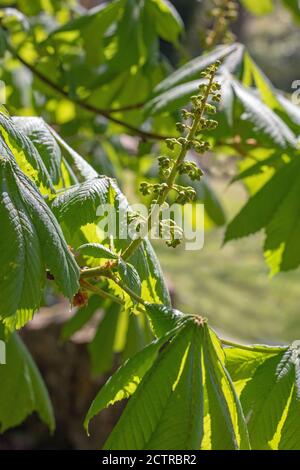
[87, 106]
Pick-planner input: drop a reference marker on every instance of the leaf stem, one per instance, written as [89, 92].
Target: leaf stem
[101, 292]
[256, 348]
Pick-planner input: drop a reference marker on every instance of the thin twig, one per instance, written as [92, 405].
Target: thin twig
[87, 106]
[101, 292]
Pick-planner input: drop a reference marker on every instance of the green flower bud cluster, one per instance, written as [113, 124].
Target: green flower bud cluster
[200, 146]
[195, 124]
[173, 242]
[157, 188]
[185, 194]
[174, 232]
[165, 165]
[224, 13]
[190, 169]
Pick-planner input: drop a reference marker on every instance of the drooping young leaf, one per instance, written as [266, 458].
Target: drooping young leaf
[22, 388]
[39, 134]
[97, 250]
[267, 381]
[24, 152]
[30, 241]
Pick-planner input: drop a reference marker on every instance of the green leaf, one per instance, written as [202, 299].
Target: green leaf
[263, 117]
[130, 276]
[96, 250]
[30, 241]
[173, 99]
[172, 393]
[258, 7]
[22, 388]
[163, 318]
[227, 424]
[101, 348]
[167, 21]
[192, 69]
[125, 380]
[154, 288]
[39, 134]
[166, 387]
[90, 27]
[82, 169]
[274, 207]
[24, 152]
[268, 386]
[77, 205]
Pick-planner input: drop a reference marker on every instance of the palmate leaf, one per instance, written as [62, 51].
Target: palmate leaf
[268, 385]
[275, 207]
[30, 241]
[249, 106]
[24, 152]
[172, 392]
[22, 388]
